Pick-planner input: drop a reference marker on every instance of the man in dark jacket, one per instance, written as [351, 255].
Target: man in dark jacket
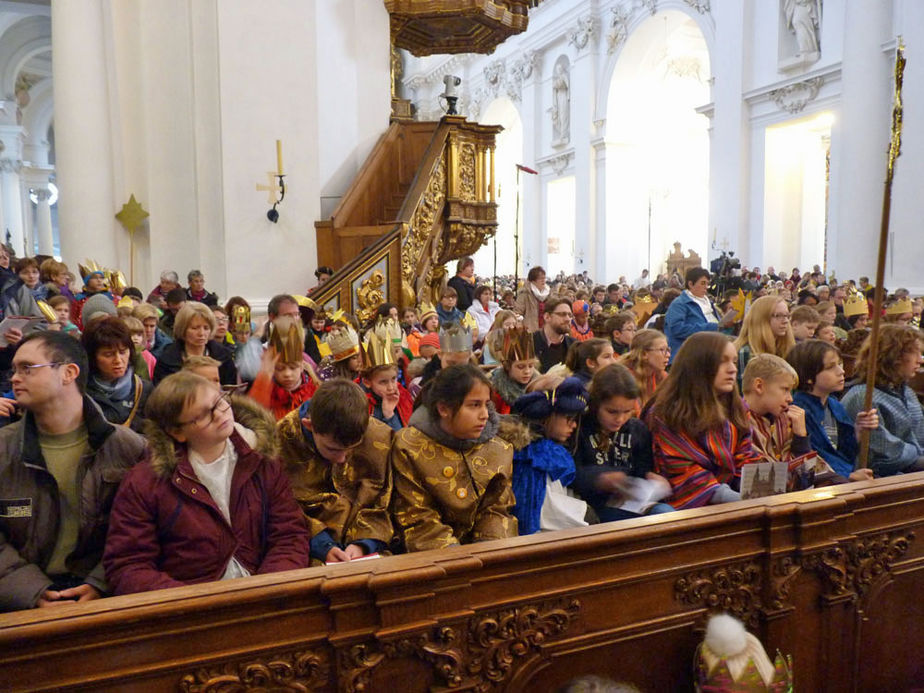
[60, 467]
[464, 283]
[554, 337]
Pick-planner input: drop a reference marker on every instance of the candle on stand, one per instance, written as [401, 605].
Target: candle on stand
[278, 157]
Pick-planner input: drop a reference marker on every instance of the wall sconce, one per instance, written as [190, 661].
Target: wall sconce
[276, 188]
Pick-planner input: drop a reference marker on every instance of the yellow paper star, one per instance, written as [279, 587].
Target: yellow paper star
[741, 303]
[132, 215]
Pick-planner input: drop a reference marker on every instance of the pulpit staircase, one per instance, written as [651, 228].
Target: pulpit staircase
[424, 197]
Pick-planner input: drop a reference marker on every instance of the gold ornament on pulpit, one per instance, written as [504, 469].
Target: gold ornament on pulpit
[131, 217]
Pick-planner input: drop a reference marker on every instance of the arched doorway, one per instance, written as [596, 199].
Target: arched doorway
[507, 154]
[657, 146]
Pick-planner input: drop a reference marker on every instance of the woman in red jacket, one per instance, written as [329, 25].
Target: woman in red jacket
[210, 503]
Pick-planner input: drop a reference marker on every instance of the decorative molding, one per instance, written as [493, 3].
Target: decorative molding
[782, 574]
[582, 32]
[521, 71]
[292, 672]
[650, 5]
[494, 76]
[558, 162]
[734, 588]
[852, 568]
[793, 97]
[619, 28]
[370, 294]
[10, 165]
[481, 652]
[701, 6]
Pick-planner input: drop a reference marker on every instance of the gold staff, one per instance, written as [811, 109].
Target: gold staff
[895, 146]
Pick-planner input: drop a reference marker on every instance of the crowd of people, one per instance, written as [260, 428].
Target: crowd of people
[163, 439]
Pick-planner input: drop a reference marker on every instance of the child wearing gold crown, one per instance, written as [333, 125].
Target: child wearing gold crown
[285, 379]
[336, 456]
[518, 368]
[389, 400]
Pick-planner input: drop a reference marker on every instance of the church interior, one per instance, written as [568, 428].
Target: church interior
[385, 140]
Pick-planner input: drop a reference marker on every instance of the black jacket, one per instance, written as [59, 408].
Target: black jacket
[171, 361]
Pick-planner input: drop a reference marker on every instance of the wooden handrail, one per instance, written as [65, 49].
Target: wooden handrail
[422, 177]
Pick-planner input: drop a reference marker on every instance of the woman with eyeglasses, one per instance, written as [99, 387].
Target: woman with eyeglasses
[211, 502]
[647, 361]
[113, 384]
[766, 330]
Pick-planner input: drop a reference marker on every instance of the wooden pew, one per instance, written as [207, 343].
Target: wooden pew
[833, 577]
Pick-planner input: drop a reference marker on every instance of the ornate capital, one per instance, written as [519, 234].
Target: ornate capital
[582, 32]
[793, 97]
[521, 71]
[559, 162]
[10, 165]
[494, 76]
[42, 194]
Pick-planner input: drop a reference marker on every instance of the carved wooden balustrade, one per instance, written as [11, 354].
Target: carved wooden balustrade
[832, 576]
[424, 197]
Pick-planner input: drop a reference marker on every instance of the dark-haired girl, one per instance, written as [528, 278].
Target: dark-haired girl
[543, 467]
[451, 471]
[613, 446]
[113, 383]
[700, 433]
[587, 357]
[832, 432]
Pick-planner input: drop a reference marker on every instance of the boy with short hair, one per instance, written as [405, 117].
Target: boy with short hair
[336, 456]
[389, 401]
[61, 305]
[211, 502]
[804, 321]
[205, 366]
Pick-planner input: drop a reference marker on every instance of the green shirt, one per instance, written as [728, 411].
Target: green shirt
[62, 455]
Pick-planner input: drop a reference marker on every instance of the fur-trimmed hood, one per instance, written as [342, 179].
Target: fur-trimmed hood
[515, 431]
[247, 413]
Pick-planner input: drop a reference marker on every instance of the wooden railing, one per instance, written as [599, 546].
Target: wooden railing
[832, 577]
[413, 208]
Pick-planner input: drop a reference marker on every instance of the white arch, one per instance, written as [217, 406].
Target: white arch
[18, 44]
[704, 21]
[38, 116]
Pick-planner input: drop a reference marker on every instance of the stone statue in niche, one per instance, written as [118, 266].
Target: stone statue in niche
[803, 20]
[561, 105]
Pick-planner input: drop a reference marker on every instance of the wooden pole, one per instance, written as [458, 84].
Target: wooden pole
[895, 143]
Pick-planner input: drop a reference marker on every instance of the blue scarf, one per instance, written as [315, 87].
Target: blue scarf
[531, 465]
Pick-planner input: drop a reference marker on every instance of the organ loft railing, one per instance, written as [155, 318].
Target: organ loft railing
[424, 197]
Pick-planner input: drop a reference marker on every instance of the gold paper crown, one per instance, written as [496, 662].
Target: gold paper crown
[116, 280]
[747, 671]
[425, 311]
[378, 352]
[643, 308]
[518, 345]
[899, 307]
[741, 303]
[125, 302]
[287, 339]
[343, 342]
[455, 338]
[855, 304]
[305, 302]
[47, 311]
[388, 330]
[240, 316]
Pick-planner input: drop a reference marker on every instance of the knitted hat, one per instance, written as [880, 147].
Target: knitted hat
[430, 339]
[569, 398]
[98, 303]
[580, 307]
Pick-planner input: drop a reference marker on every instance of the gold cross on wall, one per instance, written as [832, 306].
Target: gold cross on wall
[273, 189]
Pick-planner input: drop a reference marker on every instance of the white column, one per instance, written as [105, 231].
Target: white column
[12, 203]
[859, 140]
[83, 133]
[46, 243]
[728, 142]
[582, 109]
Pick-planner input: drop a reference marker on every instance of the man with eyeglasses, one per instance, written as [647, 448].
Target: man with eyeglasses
[60, 467]
[554, 337]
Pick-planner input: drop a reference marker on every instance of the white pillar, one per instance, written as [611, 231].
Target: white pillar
[46, 243]
[859, 140]
[583, 89]
[12, 204]
[83, 133]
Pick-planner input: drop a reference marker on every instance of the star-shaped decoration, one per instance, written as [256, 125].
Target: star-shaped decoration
[132, 215]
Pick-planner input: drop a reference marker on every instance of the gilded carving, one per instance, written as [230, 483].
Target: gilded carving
[467, 187]
[422, 221]
[498, 640]
[466, 239]
[733, 588]
[293, 672]
[369, 296]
